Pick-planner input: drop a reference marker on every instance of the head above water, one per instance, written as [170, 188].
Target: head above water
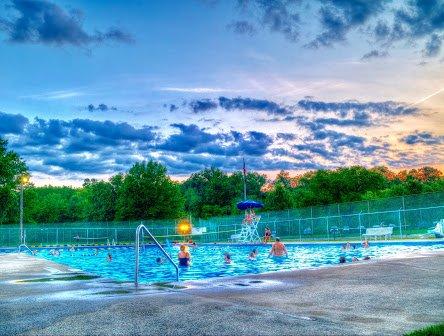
[278, 239]
[183, 248]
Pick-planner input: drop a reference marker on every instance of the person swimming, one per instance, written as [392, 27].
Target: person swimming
[227, 258]
[109, 257]
[278, 249]
[342, 260]
[365, 243]
[184, 256]
[159, 260]
[253, 254]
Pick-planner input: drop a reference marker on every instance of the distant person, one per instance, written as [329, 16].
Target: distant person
[366, 258]
[365, 243]
[109, 257]
[355, 259]
[342, 260]
[267, 235]
[184, 256]
[347, 246]
[278, 249]
[227, 258]
[96, 251]
[159, 260]
[252, 255]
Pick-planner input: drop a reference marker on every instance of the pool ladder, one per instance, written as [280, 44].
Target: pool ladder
[140, 229]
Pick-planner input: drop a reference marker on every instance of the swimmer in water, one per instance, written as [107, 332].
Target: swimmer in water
[159, 261]
[184, 256]
[252, 255]
[227, 258]
[109, 257]
[278, 249]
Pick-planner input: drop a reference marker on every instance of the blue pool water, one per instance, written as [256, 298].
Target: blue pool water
[208, 261]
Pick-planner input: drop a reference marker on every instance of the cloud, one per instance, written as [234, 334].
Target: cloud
[240, 103]
[12, 123]
[100, 107]
[387, 108]
[433, 46]
[242, 27]
[56, 95]
[43, 22]
[202, 105]
[425, 138]
[338, 18]
[359, 118]
[378, 21]
[374, 54]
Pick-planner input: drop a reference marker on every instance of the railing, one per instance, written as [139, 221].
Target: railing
[137, 247]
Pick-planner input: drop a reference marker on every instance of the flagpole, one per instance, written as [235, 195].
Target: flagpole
[245, 182]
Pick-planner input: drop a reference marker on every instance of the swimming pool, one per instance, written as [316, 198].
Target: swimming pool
[208, 261]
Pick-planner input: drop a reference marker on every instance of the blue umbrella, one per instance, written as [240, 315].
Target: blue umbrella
[248, 204]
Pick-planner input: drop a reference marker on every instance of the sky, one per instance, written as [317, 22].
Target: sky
[88, 88]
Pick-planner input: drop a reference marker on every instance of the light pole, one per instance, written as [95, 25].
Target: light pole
[24, 179]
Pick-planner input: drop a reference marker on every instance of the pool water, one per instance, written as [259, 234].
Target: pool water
[208, 260]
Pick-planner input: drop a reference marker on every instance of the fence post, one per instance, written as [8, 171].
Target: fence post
[400, 224]
[57, 236]
[360, 225]
[300, 238]
[328, 232]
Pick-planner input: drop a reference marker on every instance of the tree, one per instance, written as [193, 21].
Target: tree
[11, 168]
[280, 198]
[101, 198]
[146, 192]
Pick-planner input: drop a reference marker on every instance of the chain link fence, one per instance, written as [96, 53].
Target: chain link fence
[409, 216]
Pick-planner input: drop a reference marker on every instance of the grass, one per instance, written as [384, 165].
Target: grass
[68, 278]
[434, 330]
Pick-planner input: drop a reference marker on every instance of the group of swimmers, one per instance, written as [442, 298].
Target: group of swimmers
[278, 249]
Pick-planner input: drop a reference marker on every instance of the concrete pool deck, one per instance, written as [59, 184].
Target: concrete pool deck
[378, 297]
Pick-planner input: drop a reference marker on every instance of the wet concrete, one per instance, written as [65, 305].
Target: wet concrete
[385, 297]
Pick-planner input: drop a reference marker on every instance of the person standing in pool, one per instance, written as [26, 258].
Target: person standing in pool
[278, 249]
[267, 235]
[184, 256]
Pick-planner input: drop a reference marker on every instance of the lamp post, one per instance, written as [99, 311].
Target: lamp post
[24, 179]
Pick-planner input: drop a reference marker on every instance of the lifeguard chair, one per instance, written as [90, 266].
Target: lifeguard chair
[248, 233]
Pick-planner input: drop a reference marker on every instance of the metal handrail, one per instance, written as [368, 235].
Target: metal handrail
[136, 247]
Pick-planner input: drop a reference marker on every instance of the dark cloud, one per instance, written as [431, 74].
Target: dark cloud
[240, 103]
[359, 118]
[338, 18]
[242, 27]
[433, 46]
[388, 108]
[414, 20]
[286, 136]
[190, 138]
[100, 107]
[12, 123]
[426, 138]
[278, 16]
[40, 21]
[374, 54]
[202, 105]
[385, 22]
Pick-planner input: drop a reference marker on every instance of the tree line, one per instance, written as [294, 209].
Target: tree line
[147, 192]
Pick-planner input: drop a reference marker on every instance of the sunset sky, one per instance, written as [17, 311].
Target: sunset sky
[87, 88]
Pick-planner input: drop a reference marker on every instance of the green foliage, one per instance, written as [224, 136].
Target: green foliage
[49, 205]
[434, 330]
[146, 192]
[11, 168]
[211, 192]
